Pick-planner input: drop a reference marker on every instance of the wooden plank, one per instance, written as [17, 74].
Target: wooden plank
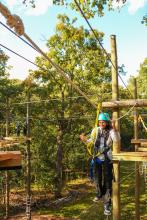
[17, 138]
[9, 144]
[138, 141]
[143, 144]
[3, 142]
[125, 103]
[10, 160]
[130, 156]
[12, 141]
[143, 149]
[7, 155]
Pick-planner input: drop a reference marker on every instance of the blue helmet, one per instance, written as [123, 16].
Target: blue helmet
[104, 117]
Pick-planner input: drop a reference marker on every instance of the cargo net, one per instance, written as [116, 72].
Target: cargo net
[127, 189]
[13, 191]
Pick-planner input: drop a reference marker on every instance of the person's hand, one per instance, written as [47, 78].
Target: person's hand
[83, 137]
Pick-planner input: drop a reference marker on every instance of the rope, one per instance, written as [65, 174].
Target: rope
[17, 24]
[16, 35]
[97, 113]
[19, 55]
[128, 176]
[13, 21]
[143, 124]
[47, 100]
[60, 71]
[124, 114]
[26, 59]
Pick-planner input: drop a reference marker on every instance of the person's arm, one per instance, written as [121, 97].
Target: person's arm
[86, 140]
[114, 135]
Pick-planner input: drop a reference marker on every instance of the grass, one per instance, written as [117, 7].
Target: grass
[83, 208]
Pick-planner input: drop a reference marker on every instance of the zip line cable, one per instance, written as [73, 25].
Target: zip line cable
[62, 73]
[13, 32]
[17, 54]
[34, 47]
[19, 28]
[48, 100]
[12, 51]
[107, 55]
[39, 52]
[26, 59]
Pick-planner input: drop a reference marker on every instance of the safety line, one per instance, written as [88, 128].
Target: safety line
[59, 69]
[13, 32]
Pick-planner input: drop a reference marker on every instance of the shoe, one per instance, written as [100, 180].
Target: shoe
[107, 197]
[107, 210]
[97, 199]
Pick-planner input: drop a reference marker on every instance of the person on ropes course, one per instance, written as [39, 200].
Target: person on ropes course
[102, 138]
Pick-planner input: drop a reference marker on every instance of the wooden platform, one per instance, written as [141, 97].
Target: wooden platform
[142, 149]
[143, 144]
[130, 156]
[10, 160]
[138, 141]
[12, 141]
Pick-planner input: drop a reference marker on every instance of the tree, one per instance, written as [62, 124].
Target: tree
[77, 52]
[90, 8]
[142, 80]
[3, 63]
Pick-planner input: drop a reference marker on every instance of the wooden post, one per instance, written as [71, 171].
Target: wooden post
[116, 145]
[28, 186]
[7, 187]
[137, 175]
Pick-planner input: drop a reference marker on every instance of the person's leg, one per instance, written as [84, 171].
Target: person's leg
[98, 179]
[108, 184]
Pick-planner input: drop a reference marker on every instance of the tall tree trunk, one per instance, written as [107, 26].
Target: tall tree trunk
[28, 165]
[59, 166]
[7, 186]
[58, 180]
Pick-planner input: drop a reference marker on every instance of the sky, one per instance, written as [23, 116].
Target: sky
[40, 24]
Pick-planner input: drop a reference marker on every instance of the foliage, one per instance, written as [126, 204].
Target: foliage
[84, 208]
[58, 114]
[142, 80]
[144, 20]
[90, 8]
[77, 52]
[3, 63]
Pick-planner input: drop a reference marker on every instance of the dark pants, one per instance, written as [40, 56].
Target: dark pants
[103, 179]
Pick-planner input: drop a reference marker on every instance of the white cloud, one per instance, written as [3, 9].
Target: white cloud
[117, 5]
[41, 7]
[11, 3]
[134, 5]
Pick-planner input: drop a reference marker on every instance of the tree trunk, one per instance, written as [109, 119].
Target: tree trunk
[28, 165]
[7, 186]
[58, 179]
[59, 167]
